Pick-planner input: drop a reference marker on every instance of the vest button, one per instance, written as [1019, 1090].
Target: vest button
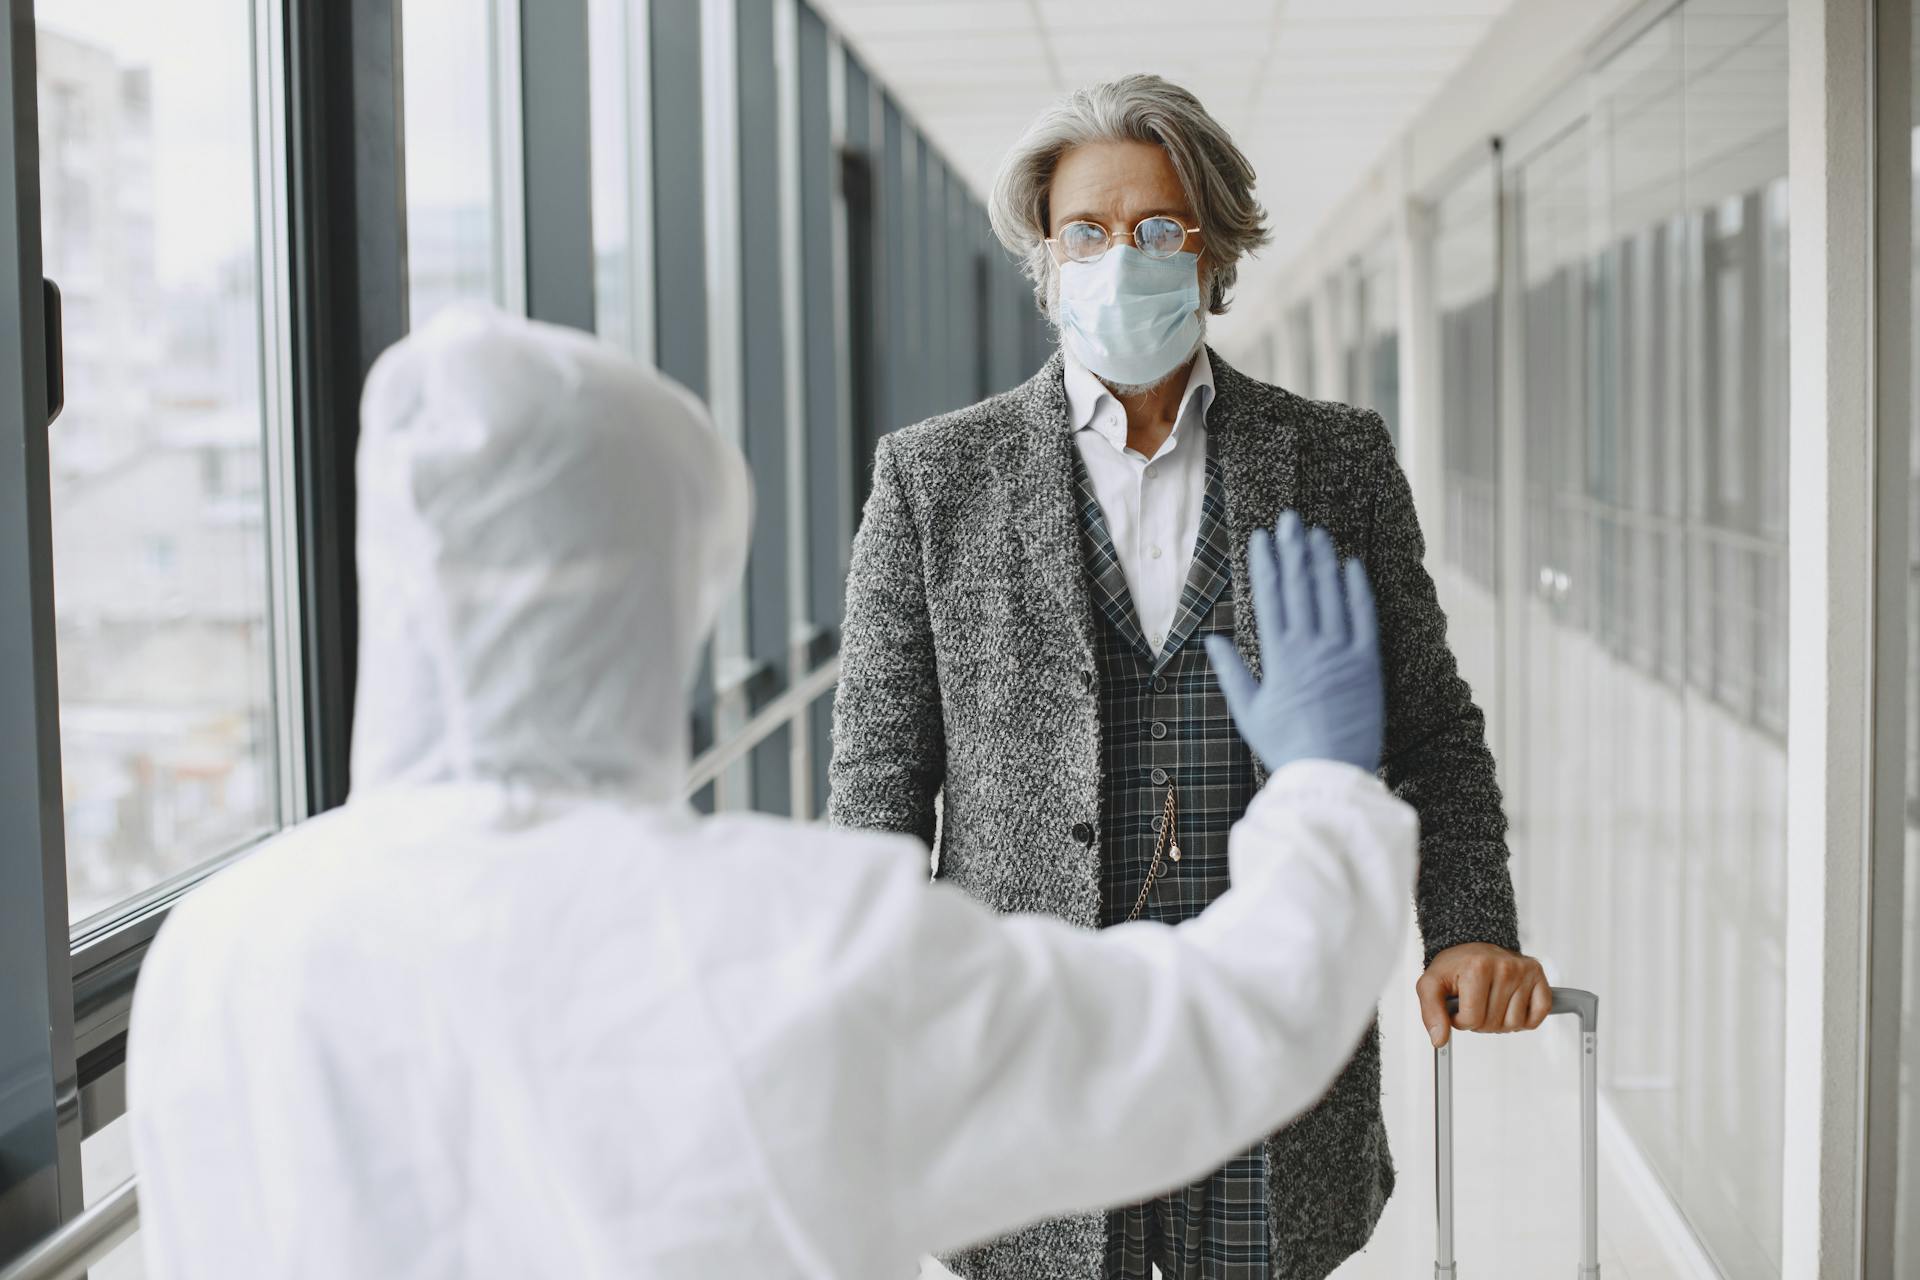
[1159, 729]
[1083, 833]
[1159, 684]
[1159, 777]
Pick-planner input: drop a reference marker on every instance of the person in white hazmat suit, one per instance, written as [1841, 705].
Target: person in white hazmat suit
[516, 1010]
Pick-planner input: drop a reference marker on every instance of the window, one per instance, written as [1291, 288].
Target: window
[1651, 658]
[1346, 317]
[1379, 385]
[1299, 349]
[162, 532]
[862, 177]
[1905, 1227]
[1469, 418]
[759, 312]
[617, 93]
[456, 154]
[106, 1161]
[824, 334]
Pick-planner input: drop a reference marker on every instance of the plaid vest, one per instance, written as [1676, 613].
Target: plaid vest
[1165, 723]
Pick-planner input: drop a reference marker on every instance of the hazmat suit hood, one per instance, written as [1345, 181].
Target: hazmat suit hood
[546, 533]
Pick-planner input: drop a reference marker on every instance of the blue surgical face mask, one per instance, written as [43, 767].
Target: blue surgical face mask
[1129, 318]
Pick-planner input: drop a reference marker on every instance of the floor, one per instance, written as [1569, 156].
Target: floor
[1516, 1162]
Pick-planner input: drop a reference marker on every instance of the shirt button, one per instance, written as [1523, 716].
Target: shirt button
[1159, 729]
[1155, 553]
[1159, 777]
[1159, 684]
[1152, 472]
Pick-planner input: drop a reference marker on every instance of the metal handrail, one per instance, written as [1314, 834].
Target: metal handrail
[100, 1228]
[91, 1236]
[715, 760]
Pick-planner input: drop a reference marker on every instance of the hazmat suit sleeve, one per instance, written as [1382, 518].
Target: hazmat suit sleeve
[1039, 1069]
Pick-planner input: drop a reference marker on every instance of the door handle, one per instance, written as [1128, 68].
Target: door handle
[56, 350]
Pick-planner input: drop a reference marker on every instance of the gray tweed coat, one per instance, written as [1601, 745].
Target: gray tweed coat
[967, 669]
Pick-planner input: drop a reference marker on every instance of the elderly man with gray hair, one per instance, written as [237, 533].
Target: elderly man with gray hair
[1049, 619]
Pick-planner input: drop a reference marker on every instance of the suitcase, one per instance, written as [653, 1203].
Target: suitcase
[1586, 1006]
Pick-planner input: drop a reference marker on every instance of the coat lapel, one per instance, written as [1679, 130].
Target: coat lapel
[1257, 445]
[1045, 514]
[1108, 581]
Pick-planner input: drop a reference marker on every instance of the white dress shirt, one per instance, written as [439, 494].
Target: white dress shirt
[1152, 504]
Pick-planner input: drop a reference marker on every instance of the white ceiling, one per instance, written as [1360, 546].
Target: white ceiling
[1312, 90]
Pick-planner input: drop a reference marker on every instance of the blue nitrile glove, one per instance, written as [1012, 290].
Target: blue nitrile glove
[1321, 698]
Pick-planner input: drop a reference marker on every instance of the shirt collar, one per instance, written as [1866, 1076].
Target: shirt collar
[1087, 396]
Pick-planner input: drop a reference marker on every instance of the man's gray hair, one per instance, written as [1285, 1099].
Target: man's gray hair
[1139, 108]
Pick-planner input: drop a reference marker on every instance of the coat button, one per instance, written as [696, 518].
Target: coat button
[1159, 777]
[1086, 679]
[1083, 833]
[1159, 729]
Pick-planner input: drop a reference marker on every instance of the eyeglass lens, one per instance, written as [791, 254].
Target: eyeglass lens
[1156, 237]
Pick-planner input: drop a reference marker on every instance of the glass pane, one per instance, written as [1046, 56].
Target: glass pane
[1732, 1102]
[1299, 346]
[159, 508]
[1464, 528]
[106, 1161]
[1906, 1227]
[1379, 388]
[828, 501]
[767, 642]
[895, 213]
[453, 201]
[1550, 795]
[610, 88]
[1342, 321]
[1653, 245]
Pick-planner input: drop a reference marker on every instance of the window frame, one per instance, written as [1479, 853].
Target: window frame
[1892, 118]
[334, 295]
[40, 1136]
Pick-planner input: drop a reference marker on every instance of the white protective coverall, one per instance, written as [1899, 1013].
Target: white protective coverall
[516, 1011]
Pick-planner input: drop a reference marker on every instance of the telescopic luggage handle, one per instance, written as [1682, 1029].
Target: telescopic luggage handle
[1586, 1006]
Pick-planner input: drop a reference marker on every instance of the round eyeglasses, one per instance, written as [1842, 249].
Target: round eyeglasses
[1158, 237]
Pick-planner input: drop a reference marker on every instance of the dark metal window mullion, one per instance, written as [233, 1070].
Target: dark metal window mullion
[39, 1095]
[348, 247]
[555, 110]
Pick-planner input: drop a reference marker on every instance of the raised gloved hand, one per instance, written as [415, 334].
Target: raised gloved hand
[1320, 696]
